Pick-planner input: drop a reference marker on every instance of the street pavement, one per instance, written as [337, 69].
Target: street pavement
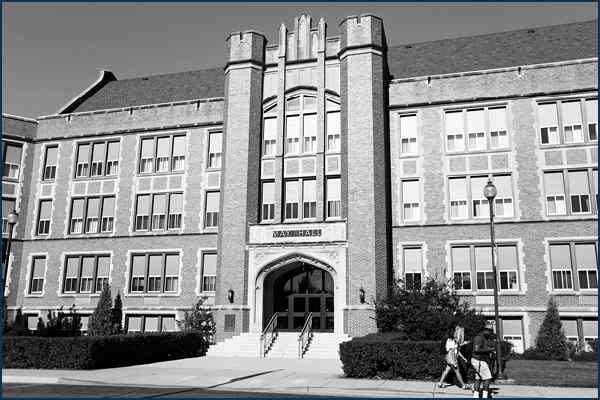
[268, 375]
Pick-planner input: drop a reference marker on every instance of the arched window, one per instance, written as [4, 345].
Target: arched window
[301, 124]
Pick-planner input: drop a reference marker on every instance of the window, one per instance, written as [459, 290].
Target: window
[269, 136]
[309, 199]
[461, 268]
[476, 130]
[580, 331]
[211, 217]
[97, 159]
[461, 188]
[334, 198]
[162, 154]
[508, 267]
[292, 199]
[498, 128]
[97, 213]
[12, 160]
[586, 265]
[411, 201]
[44, 215]
[573, 128]
[38, 270]
[578, 183]
[154, 273]
[332, 124]
[560, 259]
[483, 266]
[158, 212]
[86, 273]
[408, 134]
[209, 272]
[150, 323]
[301, 125]
[592, 118]
[214, 150]
[8, 205]
[512, 331]
[268, 201]
[413, 267]
[458, 198]
[455, 131]
[50, 163]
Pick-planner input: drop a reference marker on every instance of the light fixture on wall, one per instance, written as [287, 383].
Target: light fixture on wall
[230, 294]
[361, 295]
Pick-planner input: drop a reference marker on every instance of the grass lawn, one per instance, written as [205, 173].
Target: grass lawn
[552, 373]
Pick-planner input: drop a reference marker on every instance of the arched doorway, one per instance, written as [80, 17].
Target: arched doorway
[296, 290]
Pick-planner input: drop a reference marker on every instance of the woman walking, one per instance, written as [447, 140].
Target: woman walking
[456, 338]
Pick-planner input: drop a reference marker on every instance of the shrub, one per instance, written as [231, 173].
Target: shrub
[385, 356]
[199, 319]
[101, 321]
[117, 314]
[551, 340]
[60, 324]
[91, 352]
[19, 325]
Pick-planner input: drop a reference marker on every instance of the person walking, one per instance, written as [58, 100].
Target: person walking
[480, 361]
[453, 343]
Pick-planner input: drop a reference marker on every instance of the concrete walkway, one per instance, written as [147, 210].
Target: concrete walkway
[291, 376]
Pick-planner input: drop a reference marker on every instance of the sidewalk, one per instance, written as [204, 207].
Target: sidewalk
[291, 376]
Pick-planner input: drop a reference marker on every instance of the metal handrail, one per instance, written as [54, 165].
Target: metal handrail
[305, 335]
[268, 335]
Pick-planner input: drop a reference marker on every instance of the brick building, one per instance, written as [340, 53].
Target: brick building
[310, 173]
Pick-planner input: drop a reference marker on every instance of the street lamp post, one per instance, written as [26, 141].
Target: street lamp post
[490, 192]
[12, 220]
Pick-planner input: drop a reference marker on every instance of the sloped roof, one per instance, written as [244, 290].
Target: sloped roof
[156, 89]
[497, 50]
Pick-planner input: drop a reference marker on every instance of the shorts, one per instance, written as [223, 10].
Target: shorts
[482, 369]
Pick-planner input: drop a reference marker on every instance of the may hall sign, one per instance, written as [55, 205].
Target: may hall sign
[298, 233]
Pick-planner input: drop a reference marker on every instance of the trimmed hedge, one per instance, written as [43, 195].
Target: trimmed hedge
[91, 352]
[385, 356]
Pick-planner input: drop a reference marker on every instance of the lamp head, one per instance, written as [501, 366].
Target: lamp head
[13, 216]
[490, 191]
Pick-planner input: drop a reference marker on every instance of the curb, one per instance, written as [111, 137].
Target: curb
[30, 379]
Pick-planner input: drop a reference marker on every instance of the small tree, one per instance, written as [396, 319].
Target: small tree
[199, 318]
[19, 326]
[117, 314]
[551, 340]
[101, 321]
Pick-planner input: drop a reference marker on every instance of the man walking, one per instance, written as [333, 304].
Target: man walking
[480, 360]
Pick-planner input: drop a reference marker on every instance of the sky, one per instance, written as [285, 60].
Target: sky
[53, 51]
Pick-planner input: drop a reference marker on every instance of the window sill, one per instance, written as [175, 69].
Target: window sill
[571, 292]
[212, 169]
[482, 220]
[11, 180]
[155, 233]
[568, 145]
[207, 294]
[476, 152]
[44, 181]
[491, 293]
[152, 174]
[572, 217]
[34, 295]
[151, 295]
[408, 156]
[95, 178]
[79, 295]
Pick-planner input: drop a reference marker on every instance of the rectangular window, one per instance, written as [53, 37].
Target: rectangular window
[476, 130]
[44, 215]
[269, 136]
[571, 118]
[292, 199]
[147, 155]
[548, 116]
[108, 214]
[8, 205]
[455, 131]
[92, 219]
[12, 160]
[86, 274]
[310, 133]
[483, 267]
[309, 199]
[209, 272]
[498, 128]
[458, 198]
[214, 150]
[50, 163]
[587, 270]
[411, 210]
[461, 268]
[481, 207]
[150, 323]
[38, 270]
[560, 260]
[408, 134]
[592, 118]
[98, 154]
[112, 158]
[503, 204]
[333, 132]
[413, 267]
[512, 332]
[77, 216]
[268, 201]
[175, 211]
[159, 212]
[97, 212]
[508, 267]
[142, 216]
[178, 159]
[134, 324]
[154, 273]
[83, 158]
[211, 218]
[168, 324]
[555, 193]
[292, 135]
[579, 191]
[334, 198]
[163, 152]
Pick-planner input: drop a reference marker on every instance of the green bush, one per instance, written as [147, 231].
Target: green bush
[551, 340]
[91, 352]
[199, 319]
[387, 356]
